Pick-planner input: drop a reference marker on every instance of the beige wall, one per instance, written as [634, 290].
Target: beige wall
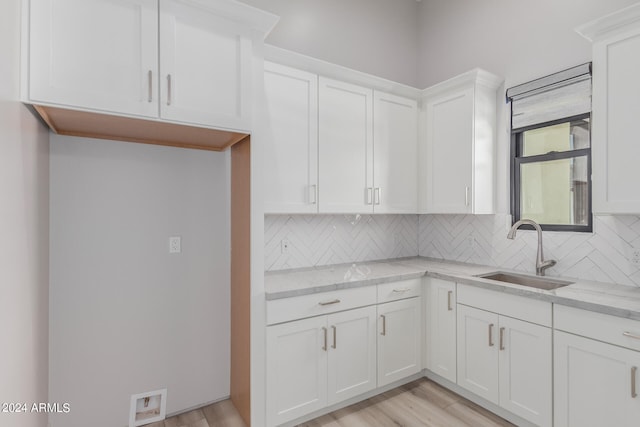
[24, 227]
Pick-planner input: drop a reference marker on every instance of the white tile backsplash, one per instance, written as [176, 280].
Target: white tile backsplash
[482, 239]
[316, 240]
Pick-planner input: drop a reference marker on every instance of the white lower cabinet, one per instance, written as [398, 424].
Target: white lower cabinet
[504, 360]
[440, 316]
[296, 369]
[398, 340]
[477, 352]
[312, 363]
[596, 379]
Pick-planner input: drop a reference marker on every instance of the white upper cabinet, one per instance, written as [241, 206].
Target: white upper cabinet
[459, 144]
[291, 143]
[346, 147]
[395, 162]
[615, 110]
[205, 62]
[368, 150]
[186, 61]
[95, 54]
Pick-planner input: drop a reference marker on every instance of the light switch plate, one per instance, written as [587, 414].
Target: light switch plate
[175, 245]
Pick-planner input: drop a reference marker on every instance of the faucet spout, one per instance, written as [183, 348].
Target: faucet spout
[541, 264]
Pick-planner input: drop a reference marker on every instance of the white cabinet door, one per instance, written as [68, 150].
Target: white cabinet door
[95, 54]
[449, 152]
[296, 369]
[395, 167]
[615, 122]
[525, 370]
[291, 152]
[398, 340]
[478, 352]
[345, 147]
[440, 304]
[593, 383]
[205, 67]
[352, 353]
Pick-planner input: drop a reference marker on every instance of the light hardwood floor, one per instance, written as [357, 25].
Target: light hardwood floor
[421, 403]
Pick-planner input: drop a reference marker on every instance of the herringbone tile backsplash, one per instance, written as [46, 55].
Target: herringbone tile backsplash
[334, 239]
[482, 239]
[316, 240]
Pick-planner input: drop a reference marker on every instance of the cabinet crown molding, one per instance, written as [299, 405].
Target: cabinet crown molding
[252, 17]
[338, 72]
[611, 24]
[476, 76]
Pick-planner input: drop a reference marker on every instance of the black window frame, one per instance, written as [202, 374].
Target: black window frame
[517, 159]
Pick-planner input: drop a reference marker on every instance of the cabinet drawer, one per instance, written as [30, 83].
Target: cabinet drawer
[399, 290]
[286, 309]
[518, 307]
[602, 327]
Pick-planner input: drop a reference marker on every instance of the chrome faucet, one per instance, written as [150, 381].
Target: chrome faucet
[541, 264]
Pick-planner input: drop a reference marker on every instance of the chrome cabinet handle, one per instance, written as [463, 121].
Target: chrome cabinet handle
[313, 194]
[491, 335]
[333, 301]
[376, 195]
[168, 89]
[401, 290]
[634, 371]
[630, 335]
[150, 87]
[466, 196]
[449, 295]
[335, 333]
[324, 330]
[369, 196]
[384, 325]
[501, 338]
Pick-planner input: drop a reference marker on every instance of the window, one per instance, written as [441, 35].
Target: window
[551, 153]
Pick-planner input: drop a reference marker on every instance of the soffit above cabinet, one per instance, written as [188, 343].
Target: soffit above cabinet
[105, 126]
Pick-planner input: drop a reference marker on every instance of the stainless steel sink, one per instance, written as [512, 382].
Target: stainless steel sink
[544, 283]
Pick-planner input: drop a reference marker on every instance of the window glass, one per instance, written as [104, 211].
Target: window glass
[555, 191]
[573, 135]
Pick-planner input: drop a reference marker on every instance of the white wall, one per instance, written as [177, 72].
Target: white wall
[378, 37]
[517, 39]
[125, 315]
[24, 247]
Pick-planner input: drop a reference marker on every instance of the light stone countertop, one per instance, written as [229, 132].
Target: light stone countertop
[607, 298]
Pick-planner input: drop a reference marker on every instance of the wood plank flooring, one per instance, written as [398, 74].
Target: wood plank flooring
[421, 403]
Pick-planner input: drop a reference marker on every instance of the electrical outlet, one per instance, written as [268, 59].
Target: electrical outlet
[175, 245]
[284, 246]
[471, 242]
[635, 256]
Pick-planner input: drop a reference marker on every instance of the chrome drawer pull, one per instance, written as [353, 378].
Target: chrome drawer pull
[335, 333]
[150, 88]
[333, 301]
[324, 347]
[630, 335]
[491, 335]
[401, 290]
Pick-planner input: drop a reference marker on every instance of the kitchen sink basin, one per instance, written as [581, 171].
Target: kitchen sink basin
[537, 282]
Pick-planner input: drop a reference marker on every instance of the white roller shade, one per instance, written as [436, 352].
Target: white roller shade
[551, 98]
